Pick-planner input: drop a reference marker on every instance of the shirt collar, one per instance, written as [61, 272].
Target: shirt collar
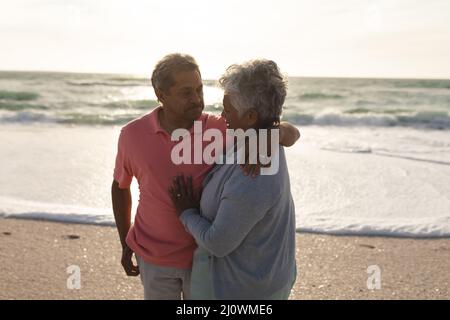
[155, 126]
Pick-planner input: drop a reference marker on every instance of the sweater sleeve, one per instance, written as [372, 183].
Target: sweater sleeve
[244, 202]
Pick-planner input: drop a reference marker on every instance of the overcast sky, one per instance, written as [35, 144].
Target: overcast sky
[345, 38]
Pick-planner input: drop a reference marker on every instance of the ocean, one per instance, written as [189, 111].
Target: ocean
[99, 99]
[374, 157]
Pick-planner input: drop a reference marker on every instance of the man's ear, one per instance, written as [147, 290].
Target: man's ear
[160, 95]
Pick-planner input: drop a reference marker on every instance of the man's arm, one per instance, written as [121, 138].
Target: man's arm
[289, 134]
[121, 201]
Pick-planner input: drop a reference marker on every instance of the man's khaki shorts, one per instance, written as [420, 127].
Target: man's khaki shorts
[164, 283]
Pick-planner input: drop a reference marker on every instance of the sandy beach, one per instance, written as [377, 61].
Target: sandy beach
[34, 256]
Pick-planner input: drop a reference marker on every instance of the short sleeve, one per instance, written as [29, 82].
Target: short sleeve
[122, 170]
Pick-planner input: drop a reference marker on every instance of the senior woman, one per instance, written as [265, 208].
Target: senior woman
[244, 227]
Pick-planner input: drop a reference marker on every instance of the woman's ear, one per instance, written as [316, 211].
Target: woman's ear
[252, 118]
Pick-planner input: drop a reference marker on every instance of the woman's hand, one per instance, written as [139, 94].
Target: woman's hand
[262, 161]
[182, 194]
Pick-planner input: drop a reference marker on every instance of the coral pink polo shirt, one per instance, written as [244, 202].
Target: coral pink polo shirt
[144, 152]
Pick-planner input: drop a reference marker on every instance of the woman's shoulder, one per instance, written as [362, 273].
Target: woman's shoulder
[267, 183]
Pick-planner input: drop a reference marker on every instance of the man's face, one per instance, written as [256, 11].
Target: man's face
[185, 98]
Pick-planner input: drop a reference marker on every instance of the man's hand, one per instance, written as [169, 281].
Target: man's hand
[127, 262]
[289, 134]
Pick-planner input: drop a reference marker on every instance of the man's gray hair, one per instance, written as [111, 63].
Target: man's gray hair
[165, 69]
[256, 84]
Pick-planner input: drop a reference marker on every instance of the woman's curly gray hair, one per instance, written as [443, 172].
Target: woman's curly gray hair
[259, 85]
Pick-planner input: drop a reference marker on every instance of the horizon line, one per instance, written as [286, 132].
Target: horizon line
[209, 79]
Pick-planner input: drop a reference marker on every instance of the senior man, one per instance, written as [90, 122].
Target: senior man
[163, 248]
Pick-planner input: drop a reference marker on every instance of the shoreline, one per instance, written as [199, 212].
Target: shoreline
[35, 255]
[297, 230]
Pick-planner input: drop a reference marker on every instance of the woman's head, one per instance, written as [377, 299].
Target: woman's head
[254, 94]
